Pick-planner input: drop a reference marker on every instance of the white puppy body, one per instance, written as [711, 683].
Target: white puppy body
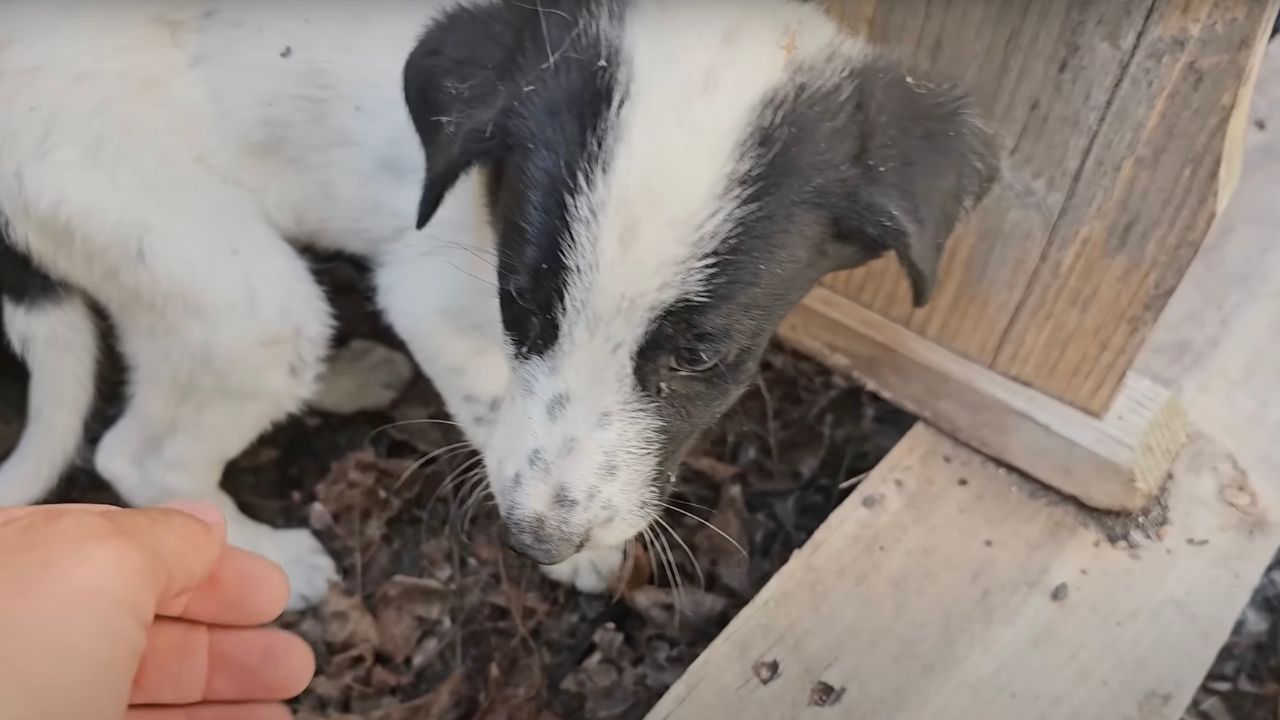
[161, 157]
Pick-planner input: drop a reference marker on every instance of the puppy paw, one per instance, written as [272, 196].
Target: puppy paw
[310, 568]
[306, 563]
[590, 571]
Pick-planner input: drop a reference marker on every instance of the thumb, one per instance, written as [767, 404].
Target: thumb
[79, 588]
[174, 546]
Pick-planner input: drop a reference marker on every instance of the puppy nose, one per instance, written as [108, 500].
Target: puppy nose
[543, 545]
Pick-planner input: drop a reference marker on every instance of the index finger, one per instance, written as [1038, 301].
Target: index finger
[243, 589]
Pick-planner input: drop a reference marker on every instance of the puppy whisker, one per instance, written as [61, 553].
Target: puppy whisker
[456, 476]
[662, 550]
[444, 452]
[402, 423]
[697, 568]
[693, 505]
[717, 530]
[628, 567]
[479, 491]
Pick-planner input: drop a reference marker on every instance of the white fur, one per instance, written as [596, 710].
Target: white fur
[57, 339]
[438, 290]
[161, 156]
[590, 571]
[156, 156]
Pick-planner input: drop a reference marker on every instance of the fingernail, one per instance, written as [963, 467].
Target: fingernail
[206, 511]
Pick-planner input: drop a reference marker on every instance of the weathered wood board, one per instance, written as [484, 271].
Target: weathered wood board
[1041, 74]
[1142, 205]
[930, 594]
[1114, 453]
[1114, 116]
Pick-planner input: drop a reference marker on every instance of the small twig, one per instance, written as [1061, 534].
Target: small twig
[359, 558]
[854, 481]
[741, 550]
[770, 427]
[546, 38]
[515, 607]
[541, 9]
[455, 556]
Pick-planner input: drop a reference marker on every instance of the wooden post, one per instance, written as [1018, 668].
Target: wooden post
[1121, 125]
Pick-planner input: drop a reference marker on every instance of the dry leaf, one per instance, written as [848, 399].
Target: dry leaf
[404, 608]
[343, 672]
[438, 704]
[514, 693]
[347, 622]
[666, 609]
[383, 680]
[717, 551]
[362, 492]
[638, 571]
[437, 558]
[715, 469]
[607, 679]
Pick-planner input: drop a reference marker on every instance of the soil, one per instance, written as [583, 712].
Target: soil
[435, 619]
[1244, 681]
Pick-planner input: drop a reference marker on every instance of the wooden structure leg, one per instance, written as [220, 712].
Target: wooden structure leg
[1118, 462]
[1121, 163]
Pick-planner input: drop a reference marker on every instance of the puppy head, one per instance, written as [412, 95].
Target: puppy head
[667, 180]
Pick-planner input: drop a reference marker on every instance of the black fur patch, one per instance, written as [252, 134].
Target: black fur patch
[20, 280]
[845, 171]
[524, 92]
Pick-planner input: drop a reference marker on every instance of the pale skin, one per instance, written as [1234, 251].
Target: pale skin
[146, 614]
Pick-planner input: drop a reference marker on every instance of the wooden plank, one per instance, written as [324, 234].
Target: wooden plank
[929, 594]
[901, 600]
[1143, 203]
[1114, 463]
[1238, 124]
[1042, 73]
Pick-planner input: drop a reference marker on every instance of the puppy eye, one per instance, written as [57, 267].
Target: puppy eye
[693, 360]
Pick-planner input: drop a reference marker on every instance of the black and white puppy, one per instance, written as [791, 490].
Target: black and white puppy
[650, 185]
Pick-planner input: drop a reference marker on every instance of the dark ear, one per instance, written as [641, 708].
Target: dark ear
[458, 82]
[923, 160]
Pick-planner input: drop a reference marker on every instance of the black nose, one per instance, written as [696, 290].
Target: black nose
[541, 544]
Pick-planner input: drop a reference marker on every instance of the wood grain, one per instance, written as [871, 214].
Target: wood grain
[1042, 73]
[1114, 463]
[1144, 201]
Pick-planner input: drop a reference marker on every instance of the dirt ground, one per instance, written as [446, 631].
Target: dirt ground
[434, 619]
[1244, 682]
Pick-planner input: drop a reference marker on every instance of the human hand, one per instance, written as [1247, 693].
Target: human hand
[108, 613]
